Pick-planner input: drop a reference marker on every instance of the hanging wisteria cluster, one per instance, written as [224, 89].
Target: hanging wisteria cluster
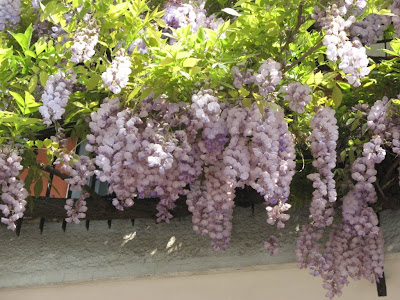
[139, 156]
[335, 21]
[85, 39]
[179, 14]
[117, 75]
[79, 171]
[10, 11]
[298, 96]
[323, 148]
[13, 192]
[355, 247]
[55, 96]
[176, 104]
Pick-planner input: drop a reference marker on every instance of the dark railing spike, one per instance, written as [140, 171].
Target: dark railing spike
[64, 225]
[252, 208]
[109, 223]
[133, 222]
[381, 284]
[19, 225]
[41, 225]
[87, 224]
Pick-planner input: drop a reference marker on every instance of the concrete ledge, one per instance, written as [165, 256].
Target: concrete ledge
[147, 248]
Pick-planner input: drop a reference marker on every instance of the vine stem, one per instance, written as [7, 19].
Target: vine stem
[49, 169]
[296, 29]
[301, 58]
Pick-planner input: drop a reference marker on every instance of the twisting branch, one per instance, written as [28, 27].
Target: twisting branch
[296, 29]
[390, 171]
[301, 58]
[49, 169]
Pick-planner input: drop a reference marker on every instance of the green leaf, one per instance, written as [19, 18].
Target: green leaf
[40, 46]
[349, 121]
[30, 103]
[20, 101]
[30, 53]
[337, 96]
[195, 70]
[190, 62]
[47, 143]
[29, 179]
[166, 61]
[39, 144]
[247, 102]
[355, 124]
[395, 44]
[183, 54]
[5, 53]
[344, 85]
[231, 11]
[92, 82]
[351, 155]
[343, 155]
[315, 79]
[243, 92]
[43, 76]
[32, 83]
[134, 93]
[24, 39]
[364, 128]
[37, 189]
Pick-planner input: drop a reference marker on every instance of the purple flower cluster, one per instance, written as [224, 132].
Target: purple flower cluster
[116, 77]
[323, 140]
[139, 155]
[268, 76]
[13, 193]
[370, 29]
[55, 96]
[383, 120]
[335, 21]
[395, 9]
[298, 95]
[345, 255]
[179, 14]
[85, 39]
[242, 76]
[79, 170]
[212, 206]
[10, 11]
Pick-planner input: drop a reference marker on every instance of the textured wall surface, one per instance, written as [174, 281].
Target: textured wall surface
[146, 248]
[277, 282]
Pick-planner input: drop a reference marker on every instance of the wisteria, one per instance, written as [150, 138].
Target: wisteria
[85, 40]
[117, 75]
[13, 193]
[10, 11]
[395, 9]
[55, 96]
[186, 100]
[241, 76]
[335, 21]
[323, 148]
[179, 14]
[79, 171]
[298, 95]
[355, 247]
[268, 76]
[370, 29]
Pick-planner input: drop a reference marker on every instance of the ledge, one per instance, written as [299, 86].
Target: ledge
[147, 248]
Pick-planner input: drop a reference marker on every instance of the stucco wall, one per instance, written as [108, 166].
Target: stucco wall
[147, 248]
